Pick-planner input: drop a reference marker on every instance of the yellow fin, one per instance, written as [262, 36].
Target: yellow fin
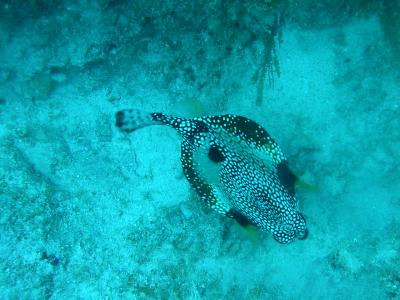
[189, 108]
[251, 233]
[307, 186]
[300, 183]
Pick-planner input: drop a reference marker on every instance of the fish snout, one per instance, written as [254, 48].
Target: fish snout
[302, 227]
[119, 119]
[304, 235]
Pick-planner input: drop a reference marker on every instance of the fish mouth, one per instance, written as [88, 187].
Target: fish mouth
[305, 235]
[119, 117]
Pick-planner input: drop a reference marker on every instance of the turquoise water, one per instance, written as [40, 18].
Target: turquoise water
[88, 212]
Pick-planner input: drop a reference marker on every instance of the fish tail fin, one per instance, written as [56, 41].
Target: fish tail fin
[128, 120]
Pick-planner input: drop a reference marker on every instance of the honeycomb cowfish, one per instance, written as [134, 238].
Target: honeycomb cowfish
[235, 167]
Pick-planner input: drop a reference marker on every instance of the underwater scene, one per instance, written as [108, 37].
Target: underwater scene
[272, 170]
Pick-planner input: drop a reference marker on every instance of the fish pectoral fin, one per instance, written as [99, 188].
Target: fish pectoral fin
[247, 226]
[307, 186]
[289, 179]
[239, 217]
[252, 233]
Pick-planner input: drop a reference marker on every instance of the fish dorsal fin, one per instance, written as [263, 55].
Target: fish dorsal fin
[189, 108]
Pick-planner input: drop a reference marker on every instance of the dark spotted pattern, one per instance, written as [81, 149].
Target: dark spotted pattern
[249, 190]
[215, 154]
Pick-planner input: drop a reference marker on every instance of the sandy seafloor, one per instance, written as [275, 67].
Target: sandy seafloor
[90, 213]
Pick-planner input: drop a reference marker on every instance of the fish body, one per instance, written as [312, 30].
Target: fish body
[249, 180]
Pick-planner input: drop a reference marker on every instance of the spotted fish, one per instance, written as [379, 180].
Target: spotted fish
[249, 178]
